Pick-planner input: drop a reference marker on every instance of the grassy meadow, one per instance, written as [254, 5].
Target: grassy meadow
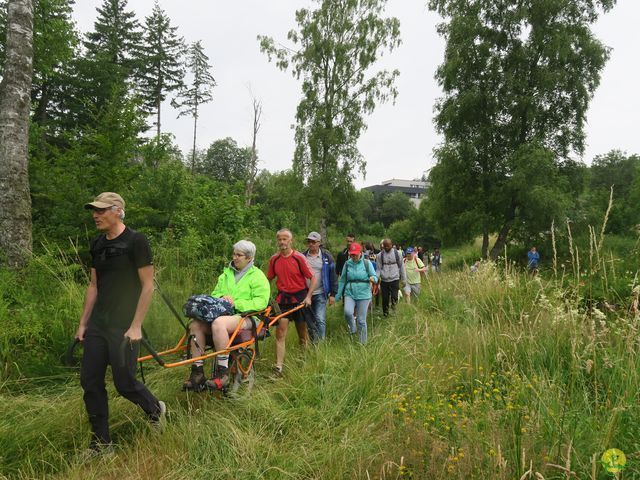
[493, 375]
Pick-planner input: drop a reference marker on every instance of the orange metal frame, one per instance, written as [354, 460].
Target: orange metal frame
[182, 343]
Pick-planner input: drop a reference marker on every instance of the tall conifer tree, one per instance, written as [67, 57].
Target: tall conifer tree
[161, 71]
[198, 92]
[113, 52]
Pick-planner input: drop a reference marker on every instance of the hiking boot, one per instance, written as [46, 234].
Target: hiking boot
[276, 372]
[219, 380]
[196, 380]
[158, 420]
[96, 451]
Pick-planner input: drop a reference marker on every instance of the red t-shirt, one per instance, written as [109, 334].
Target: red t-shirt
[290, 271]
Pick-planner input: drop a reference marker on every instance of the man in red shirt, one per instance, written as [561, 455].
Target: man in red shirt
[291, 271]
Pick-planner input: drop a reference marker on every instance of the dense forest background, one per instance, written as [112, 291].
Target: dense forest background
[97, 99]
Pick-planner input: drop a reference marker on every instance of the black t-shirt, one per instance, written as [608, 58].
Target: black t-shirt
[341, 259]
[116, 262]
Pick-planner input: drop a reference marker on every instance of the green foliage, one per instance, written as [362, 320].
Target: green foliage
[396, 207]
[39, 309]
[210, 217]
[619, 172]
[280, 197]
[225, 161]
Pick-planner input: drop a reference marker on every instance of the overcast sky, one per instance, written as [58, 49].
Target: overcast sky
[400, 137]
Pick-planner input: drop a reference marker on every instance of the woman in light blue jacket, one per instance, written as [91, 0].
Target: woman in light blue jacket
[356, 279]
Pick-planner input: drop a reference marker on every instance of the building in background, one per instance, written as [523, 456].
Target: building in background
[414, 189]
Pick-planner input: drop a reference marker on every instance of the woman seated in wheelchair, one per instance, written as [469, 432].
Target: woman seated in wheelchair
[246, 289]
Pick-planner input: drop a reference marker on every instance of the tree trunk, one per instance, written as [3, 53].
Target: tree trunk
[485, 244]
[253, 168]
[193, 152]
[501, 241]
[42, 104]
[158, 120]
[15, 105]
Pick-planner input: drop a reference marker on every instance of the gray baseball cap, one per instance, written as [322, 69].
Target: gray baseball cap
[315, 236]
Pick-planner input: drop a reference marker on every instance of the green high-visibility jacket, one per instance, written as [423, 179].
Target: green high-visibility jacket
[251, 293]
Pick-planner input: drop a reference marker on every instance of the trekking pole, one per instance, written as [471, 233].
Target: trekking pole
[168, 303]
[374, 293]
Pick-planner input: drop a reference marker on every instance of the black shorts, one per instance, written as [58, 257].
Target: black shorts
[297, 316]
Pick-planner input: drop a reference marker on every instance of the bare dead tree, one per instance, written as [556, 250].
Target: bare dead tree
[253, 164]
[15, 105]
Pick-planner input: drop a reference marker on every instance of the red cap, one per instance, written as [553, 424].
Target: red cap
[355, 249]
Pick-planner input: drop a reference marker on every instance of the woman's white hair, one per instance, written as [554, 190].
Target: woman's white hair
[247, 248]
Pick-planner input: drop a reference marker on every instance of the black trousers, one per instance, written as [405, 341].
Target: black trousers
[102, 348]
[389, 290]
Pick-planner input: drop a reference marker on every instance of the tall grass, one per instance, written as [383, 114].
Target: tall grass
[491, 375]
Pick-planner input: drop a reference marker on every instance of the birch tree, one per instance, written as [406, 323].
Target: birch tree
[15, 105]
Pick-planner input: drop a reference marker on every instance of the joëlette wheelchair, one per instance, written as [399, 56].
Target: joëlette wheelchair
[242, 347]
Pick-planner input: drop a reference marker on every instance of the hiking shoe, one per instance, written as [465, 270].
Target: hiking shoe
[219, 380]
[96, 451]
[157, 420]
[196, 380]
[276, 372]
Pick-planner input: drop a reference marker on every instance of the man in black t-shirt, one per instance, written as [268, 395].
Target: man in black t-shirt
[115, 305]
[343, 256]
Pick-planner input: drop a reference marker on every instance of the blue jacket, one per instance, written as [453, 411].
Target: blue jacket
[329, 276]
[354, 281]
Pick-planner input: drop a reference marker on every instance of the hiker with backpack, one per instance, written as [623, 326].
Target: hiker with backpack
[390, 270]
[436, 260]
[324, 269]
[291, 271]
[115, 305]
[533, 258]
[414, 267]
[358, 277]
[242, 287]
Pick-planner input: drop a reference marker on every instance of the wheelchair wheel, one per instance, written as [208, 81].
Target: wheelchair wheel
[242, 384]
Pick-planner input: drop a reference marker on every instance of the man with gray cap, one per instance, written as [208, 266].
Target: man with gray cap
[324, 269]
[390, 271]
[116, 302]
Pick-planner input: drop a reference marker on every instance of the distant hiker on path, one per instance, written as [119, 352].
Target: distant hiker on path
[436, 260]
[414, 267]
[475, 267]
[533, 257]
[116, 302]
